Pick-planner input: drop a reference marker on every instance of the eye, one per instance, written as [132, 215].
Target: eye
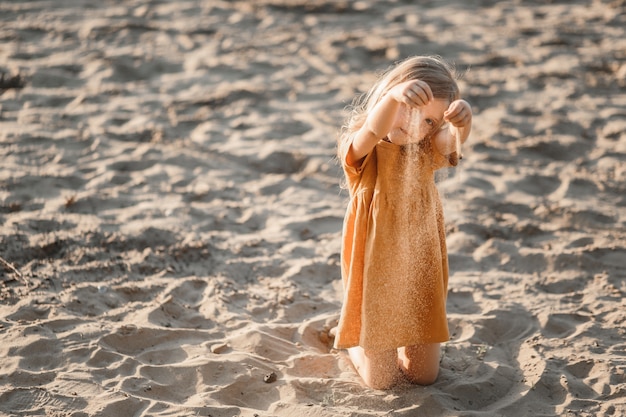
[430, 122]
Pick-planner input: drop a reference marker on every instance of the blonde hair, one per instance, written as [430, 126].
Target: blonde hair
[438, 74]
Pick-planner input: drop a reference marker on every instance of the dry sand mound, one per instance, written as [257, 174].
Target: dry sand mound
[170, 200]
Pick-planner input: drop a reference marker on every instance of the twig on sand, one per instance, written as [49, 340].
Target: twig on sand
[13, 269]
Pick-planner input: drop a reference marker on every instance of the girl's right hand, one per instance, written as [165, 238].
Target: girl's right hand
[380, 121]
[414, 93]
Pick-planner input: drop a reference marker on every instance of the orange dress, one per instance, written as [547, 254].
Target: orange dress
[394, 260]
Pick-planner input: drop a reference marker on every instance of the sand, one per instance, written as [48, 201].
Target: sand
[170, 201]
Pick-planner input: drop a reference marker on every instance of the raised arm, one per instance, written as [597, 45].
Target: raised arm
[414, 93]
[459, 115]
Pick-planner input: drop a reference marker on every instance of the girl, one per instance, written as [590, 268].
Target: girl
[394, 259]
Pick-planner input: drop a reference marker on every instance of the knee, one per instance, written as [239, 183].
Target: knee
[422, 376]
[420, 363]
[382, 380]
[379, 370]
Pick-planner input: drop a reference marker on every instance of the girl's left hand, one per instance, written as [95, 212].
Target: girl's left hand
[459, 113]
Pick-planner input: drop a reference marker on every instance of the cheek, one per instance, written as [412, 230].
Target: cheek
[402, 118]
[399, 136]
[425, 128]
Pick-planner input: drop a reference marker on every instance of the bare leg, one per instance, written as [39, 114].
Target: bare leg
[379, 370]
[420, 363]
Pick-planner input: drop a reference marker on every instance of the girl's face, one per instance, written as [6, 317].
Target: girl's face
[412, 124]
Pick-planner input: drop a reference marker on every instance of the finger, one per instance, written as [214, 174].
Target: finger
[464, 121]
[454, 107]
[417, 96]
[457, 114]
[411, 98]
[459, 119]
[459, 108]
[452, 115]
[421, 97]
[448, 115]
[426, 88]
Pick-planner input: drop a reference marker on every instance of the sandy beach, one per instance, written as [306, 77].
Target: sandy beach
[171, 209]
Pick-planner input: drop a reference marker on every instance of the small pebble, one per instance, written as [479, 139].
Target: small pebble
[219, 348]
[269, 378]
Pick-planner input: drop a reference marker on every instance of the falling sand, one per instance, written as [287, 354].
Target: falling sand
[404, 279]
[406, 272]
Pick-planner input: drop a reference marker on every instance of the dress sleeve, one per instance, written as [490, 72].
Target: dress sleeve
[343, 154]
